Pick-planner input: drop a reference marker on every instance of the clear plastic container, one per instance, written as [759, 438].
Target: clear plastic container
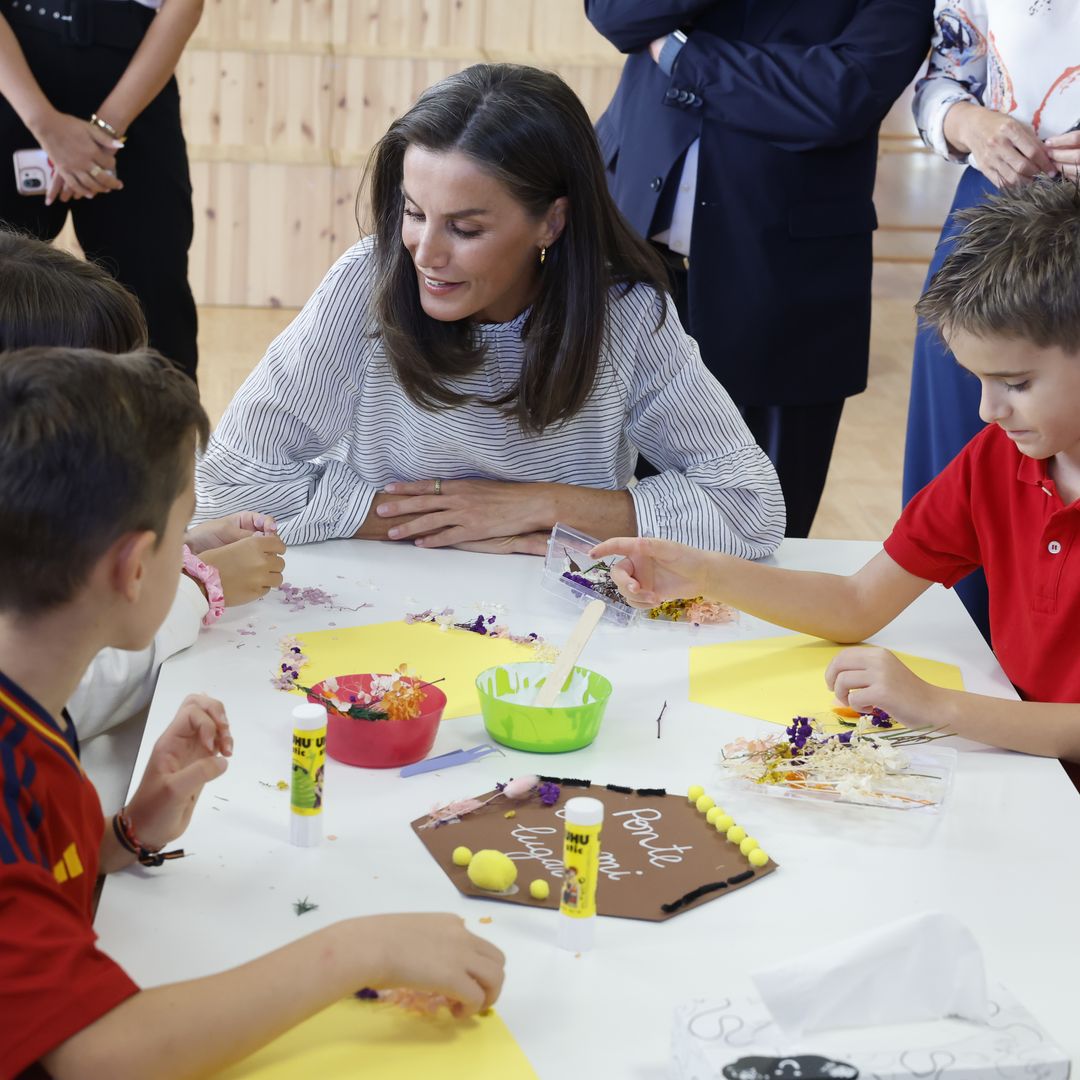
[570, 572]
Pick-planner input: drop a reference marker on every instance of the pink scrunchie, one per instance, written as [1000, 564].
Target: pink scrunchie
[195, 568]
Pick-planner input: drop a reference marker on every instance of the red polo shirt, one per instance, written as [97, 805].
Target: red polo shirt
[53, 980]
[995, 508]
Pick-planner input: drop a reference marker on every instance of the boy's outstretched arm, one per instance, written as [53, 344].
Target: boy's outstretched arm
[194, 1028]
[831, 606]
[866, 677]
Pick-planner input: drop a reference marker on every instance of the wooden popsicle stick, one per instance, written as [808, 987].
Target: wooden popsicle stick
[568, 654]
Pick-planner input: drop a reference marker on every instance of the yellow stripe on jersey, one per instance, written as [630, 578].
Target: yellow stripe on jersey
[16, 709]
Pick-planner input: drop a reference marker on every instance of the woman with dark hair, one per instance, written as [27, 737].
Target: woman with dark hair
[493, 358]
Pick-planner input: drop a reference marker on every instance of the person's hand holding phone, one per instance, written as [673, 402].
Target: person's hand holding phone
[83, 157]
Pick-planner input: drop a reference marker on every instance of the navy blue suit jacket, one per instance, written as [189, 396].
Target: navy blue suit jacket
[786, 97]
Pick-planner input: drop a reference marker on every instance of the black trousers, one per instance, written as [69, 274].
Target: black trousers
[798, 438]
[141, 234]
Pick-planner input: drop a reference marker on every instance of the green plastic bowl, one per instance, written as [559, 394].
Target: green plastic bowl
[571, 723]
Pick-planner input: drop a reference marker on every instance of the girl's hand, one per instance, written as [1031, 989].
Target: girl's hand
[190, 753]
[83, 156]
[1064, 149]
[249, 568]
[227, 530]
[651, 571]
[1006, 151]
[465, 511]
[866, 677]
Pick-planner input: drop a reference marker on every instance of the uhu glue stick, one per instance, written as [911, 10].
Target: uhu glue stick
[581, 868]
[308, 769]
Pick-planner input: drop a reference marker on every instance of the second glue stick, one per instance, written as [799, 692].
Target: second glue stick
[308, 768]
[581, 868]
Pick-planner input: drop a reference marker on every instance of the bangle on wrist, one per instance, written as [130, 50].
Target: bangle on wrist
[125, 836]
[105, 126]
[209, 577]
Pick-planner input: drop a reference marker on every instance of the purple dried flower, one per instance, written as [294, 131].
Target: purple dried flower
[880, 718]
[549, 793]
[845, 737]
[367, 994]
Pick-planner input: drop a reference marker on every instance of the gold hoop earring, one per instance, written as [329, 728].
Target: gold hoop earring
[543, 255]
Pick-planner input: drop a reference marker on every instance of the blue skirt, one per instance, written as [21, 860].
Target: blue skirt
[943, 413]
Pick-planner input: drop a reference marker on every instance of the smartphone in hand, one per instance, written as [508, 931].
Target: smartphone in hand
[33, 171]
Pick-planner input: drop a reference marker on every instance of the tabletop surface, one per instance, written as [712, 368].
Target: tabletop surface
[842, 869]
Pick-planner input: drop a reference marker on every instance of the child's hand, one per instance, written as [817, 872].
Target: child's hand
[190, 753]
[249, 568]
[652, 571]
[866, 677]
[227, 530]
[434, 953]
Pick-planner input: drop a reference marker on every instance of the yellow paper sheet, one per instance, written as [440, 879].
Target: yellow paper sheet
[458, 656]
[381, 1042]
[778, 678]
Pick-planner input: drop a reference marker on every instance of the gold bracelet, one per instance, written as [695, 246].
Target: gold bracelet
[105, 126]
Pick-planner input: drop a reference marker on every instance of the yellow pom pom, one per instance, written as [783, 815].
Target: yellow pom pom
[748, 845]
[492, 870]
[736, 834]
[723, 823]
[461, 856]
[705, 803]
[695, 793]
[539, 889]
[758, 857]
[713, 813]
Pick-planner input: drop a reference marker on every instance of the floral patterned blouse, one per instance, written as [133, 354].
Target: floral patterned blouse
[1019, 57]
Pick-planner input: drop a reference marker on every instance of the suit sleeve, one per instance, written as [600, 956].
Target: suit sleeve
[802, 97]
[632, 25]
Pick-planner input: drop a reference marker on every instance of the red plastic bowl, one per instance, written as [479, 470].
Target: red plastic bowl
[380, 744]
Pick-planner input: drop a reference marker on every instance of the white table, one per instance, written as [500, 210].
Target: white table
[1004, 854]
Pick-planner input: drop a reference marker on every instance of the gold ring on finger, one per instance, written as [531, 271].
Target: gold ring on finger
[95, 171]
[438, 487]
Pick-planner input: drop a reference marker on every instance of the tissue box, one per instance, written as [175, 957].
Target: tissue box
[737, 1039]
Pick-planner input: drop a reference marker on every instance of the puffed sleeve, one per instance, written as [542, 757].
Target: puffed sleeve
[716, 488]
[282, 446]
[956, 71]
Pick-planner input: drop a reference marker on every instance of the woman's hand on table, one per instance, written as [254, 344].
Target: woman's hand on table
[431, 953]
[1006, 151]
[465, 511]
[651, 571]
[535, 543]
[227, 530]
[189, 754]
[866, 677]
[249, 568]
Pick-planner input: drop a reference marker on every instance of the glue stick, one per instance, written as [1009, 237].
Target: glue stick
[308, 767]
[581, 868]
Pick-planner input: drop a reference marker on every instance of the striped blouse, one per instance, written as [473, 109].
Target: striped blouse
[322, 424]
[1018, 58]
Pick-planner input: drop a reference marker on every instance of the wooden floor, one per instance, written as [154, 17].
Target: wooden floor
[862, 496]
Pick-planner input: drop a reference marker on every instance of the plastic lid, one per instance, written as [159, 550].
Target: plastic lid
[309, 716]
[581, 810]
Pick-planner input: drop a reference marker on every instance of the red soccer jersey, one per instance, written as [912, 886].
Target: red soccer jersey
[53, 980]
[995, 508]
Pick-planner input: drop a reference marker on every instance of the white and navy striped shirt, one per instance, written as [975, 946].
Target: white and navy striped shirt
[322, 423]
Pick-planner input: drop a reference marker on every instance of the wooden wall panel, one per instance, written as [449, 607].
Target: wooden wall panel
[283, 100]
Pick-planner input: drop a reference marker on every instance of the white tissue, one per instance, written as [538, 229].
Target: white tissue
[924, 967]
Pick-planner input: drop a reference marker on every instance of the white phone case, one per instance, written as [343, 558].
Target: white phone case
[33, 171]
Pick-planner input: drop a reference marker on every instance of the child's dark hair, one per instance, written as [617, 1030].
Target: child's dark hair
[1014, 270]
[48, 297]
[92, 446]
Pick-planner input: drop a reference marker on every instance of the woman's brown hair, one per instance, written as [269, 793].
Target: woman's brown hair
[528, 129]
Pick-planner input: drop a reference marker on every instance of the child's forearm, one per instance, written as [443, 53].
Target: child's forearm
[832, 606]
[195, 1028]
[1047, 729]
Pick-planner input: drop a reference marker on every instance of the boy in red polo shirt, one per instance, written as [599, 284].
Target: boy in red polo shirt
[96, 487]
[1007, 301]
